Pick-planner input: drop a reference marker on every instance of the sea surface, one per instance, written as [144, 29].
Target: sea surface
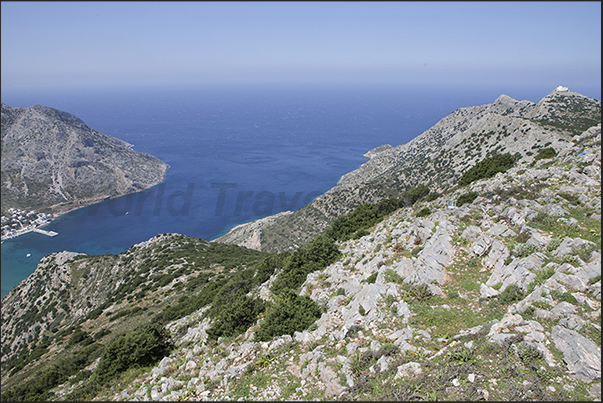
[236, 153]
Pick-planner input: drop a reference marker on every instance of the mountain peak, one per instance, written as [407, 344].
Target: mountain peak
[504, 99]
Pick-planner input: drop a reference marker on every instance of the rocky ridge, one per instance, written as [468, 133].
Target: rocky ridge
[497, 299]
[53, 160]
[436, 158]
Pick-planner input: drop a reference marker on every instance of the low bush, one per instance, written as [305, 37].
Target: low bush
[234, 315]
[545, 153]
[290, 313]
[372, 278]
[487, 168]
[142, 346]
[424, 212]
[511, 294]
[466, 198]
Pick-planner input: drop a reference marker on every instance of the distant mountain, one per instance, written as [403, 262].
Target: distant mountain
[436, 158]
[51, 160]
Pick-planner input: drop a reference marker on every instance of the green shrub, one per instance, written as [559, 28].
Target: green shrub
[360, 233]
[543, 275]
[290, 313]
[424, 212]
[356, 223]
[318, 254]
[101, 333]
[142, 346]
[418, 292]
[584, 251]
[453, 294]
[511, 294]
[461, 355]
[570, 197]
[563, 296]
[233, 315]
[79, 337]
[553, 244]
[545, 153]
[414, 194]
[390, 276]
[466, 198]
[524, 249]
[432, 196]
[372, 278]
[487, 168]
[415, 251]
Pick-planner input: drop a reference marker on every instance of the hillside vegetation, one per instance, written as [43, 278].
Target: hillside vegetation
[496, 297]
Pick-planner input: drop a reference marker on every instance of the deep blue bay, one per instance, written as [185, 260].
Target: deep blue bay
[236, 153]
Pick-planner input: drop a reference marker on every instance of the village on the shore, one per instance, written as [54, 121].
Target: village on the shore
[23, 221]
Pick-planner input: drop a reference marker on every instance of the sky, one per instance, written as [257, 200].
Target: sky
[75, 44]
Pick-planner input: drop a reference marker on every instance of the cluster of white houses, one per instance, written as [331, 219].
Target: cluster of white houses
[22, 221]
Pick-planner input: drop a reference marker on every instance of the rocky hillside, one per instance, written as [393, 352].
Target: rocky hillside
[69, 288]
[490, 290]
[436, 158]
[497, 299]
[52, 160]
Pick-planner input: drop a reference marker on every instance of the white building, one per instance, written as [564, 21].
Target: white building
[561, 88]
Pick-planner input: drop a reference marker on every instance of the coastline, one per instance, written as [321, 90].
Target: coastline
[60, 209]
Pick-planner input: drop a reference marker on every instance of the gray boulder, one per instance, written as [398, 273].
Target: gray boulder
[582, 356]
[487, 292]
[518, 272]
[481, 245]
[497, 256]
[555, 210]
[501, 229]
[590, 270]
[471, 233]
[410, 368]
[568, 245]
[563, 309]
[432, 260]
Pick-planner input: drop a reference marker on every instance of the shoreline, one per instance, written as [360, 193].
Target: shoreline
[60, 209]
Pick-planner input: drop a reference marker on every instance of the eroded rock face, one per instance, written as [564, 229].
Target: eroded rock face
[52, 158]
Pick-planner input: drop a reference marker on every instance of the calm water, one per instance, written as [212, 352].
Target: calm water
[235, 153]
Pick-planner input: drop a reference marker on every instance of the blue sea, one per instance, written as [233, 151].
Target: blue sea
[236, 153]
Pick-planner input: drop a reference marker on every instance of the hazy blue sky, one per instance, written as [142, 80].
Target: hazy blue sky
[117, 43]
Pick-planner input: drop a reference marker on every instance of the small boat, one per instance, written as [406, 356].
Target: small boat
[28, 255]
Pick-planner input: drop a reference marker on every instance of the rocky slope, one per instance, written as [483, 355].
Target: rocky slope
[512, 313]
[52, 160]
[497, 298]
[436, 158]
